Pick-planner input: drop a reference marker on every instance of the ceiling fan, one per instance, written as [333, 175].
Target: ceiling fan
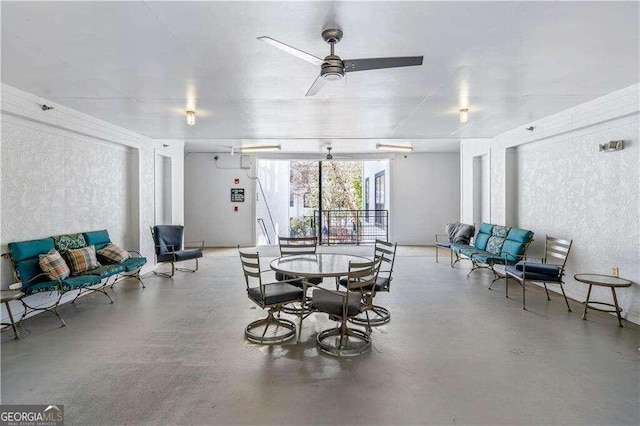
[333, 68]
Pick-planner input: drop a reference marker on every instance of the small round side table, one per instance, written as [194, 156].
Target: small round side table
[7, 296]
[602, 281]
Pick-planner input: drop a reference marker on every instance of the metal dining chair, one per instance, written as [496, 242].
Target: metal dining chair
[342, 305]
[374, 315]
[292, 246]
[272, 296]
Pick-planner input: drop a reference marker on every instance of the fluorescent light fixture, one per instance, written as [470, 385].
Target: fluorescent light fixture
[464, 115]
[191, 118]
[390, 147]
[260, 148]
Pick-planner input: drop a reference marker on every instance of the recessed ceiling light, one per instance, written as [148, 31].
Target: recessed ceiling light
[191, 118]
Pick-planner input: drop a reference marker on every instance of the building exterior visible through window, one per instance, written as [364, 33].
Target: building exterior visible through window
[379, 197]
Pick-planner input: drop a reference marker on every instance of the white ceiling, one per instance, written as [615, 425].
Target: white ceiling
[140, 65]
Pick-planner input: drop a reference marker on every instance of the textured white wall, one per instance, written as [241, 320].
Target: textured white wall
[209, 214]
[570, 190]
[565, 188]
[62, 171]
[425, 195]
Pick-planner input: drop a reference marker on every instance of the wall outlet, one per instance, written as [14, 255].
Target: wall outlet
[615, 271]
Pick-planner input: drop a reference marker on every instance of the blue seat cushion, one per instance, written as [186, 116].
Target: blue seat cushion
[276, 293]
[41, 287]
[539, 268]
[457, 247]
[97, 238]
[105, 271]
[472, 251]
[487, 258]
[531, 276]
[80, 281]
[332, 304]
[133, 263]
[443, 244]
[180, 255]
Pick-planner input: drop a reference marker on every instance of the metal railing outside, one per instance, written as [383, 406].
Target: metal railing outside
[351, 226]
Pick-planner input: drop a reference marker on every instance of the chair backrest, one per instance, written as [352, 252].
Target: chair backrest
[363, 274]
[251, 269]
[386, 252]
[557, 249]
[24, 256]
[167, 238]
[482, 237]
[290, 246]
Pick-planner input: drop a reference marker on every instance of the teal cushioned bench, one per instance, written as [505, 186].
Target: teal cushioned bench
[495, 245]
[132, 266]
[24, 257]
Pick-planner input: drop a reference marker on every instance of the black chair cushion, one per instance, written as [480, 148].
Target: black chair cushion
[298, 283]
[276, 293]
[180, 255]
[513, 271]
[382, 283]
[331, 303]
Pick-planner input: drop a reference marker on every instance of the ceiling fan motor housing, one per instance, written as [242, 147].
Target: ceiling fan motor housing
[332, 68]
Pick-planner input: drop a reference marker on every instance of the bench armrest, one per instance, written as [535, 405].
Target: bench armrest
[439, 238]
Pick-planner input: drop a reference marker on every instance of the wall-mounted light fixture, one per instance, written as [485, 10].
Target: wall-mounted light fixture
[191, 118]
[259, 148]
[464, 115]
[391, 147]
[612, 146]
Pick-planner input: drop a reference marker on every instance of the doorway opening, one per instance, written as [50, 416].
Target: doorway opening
[339, 202]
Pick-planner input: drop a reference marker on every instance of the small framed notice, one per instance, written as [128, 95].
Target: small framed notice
[237, 195]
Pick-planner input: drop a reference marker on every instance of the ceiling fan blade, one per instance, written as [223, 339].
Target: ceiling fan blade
[316, 86]
[292, 51]
[351, 65]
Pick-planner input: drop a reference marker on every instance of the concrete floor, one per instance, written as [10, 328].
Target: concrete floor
[453, 353]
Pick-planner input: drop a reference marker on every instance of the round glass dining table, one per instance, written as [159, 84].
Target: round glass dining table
[316, 265]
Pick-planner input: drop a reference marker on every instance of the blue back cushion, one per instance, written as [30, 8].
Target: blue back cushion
[515, 243]
[24, 255]
[97, 238]
[483, 236]
[167, 238]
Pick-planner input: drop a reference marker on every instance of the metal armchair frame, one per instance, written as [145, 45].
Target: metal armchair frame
[292, 246]
[343, 340]
[175, 259]
[375, 314]
[555, 248]
[252, 272]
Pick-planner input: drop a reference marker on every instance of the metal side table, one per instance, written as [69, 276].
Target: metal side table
[8, 296]
[602, 281]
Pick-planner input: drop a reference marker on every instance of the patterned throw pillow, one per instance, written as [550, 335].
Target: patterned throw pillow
[494, 245]
[500, 231]
[69, 241]
[82, 259]
[54, 265]
[114, 253]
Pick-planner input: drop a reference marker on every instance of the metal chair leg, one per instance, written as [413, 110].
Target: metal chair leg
[547, 291]
[565, 297]
[523, 294]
